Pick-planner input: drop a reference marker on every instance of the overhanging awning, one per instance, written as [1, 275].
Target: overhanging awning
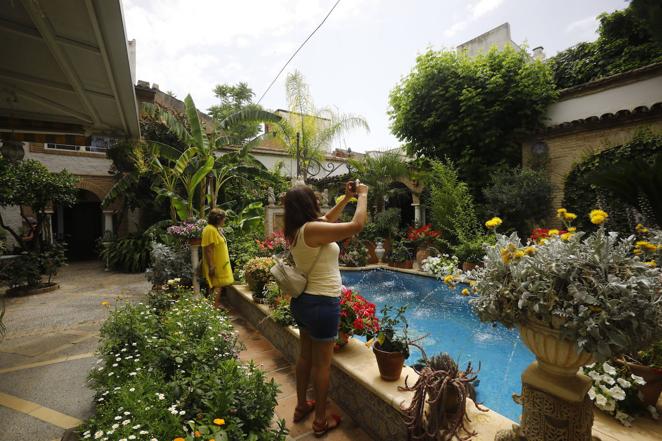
[64, 68]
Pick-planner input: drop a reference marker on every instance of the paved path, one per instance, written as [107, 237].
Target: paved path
[49, 349]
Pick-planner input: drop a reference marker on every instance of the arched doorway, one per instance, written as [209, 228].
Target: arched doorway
[80, 226]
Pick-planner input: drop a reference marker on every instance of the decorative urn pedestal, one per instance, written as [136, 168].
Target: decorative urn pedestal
[555, 404]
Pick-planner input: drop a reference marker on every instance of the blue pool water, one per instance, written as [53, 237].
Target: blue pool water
[454, 328]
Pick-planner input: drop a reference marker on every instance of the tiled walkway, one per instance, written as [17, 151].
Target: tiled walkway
[272, 361]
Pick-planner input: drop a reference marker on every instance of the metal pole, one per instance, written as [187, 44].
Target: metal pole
[298, 156]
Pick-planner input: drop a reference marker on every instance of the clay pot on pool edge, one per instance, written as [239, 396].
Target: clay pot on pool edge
[389, 363]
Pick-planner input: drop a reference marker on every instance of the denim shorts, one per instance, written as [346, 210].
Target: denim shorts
[318, 315]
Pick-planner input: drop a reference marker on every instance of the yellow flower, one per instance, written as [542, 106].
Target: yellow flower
[219, 421]
[493, 223]
[506, 255]
[449, 279]
[542, 241]
[561, 212]
[519, 254]
[637, 252]
[465, 292]
[651, 263]
[105, 303]
[645, 245]
[566, 236]
[641, 229]
[529, 250]
[572, 229]
[553, 232]
[598, 217]
[569, 216]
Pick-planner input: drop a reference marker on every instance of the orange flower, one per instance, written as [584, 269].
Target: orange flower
[219, 421]
[179, 439]
[197, 434]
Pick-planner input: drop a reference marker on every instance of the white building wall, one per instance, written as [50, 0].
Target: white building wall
[77, 165]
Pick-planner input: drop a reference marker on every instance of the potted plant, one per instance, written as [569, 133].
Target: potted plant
[273, 245]
[190, 231]
[357, 317]
[438, 409]
[576, 298]
[440, 266]
[423, 238]
[400, 256]
[353, 252]
[391, 346]
[257, 275]
[647, 364]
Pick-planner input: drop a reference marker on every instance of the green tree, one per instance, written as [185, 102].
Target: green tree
[29, 183]
[317, 127]
[235, 98]
[625, 42]
[475, 111]
[521, 196]
[378, 172]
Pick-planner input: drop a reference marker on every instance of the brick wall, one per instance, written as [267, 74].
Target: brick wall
[566, 149]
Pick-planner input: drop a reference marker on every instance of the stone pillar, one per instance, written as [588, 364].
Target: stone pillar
[108, 221]
[418, 212]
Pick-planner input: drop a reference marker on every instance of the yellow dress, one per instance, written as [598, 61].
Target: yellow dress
[220, 258]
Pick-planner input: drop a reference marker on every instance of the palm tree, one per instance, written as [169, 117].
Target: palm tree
[316, 127]
[379, 172]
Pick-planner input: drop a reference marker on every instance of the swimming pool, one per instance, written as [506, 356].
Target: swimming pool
[454, 328]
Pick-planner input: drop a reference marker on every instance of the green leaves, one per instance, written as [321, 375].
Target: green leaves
[473, 110]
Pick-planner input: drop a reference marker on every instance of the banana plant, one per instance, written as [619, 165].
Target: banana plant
[202, 157]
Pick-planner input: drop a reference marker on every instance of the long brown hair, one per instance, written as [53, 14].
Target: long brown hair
[301, 206]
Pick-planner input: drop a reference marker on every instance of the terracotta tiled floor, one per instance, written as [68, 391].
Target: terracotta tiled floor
[272, 361]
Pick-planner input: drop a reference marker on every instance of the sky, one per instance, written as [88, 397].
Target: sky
[353, 61]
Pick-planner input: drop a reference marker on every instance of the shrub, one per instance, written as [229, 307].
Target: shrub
[171, 362]
[522, 197]
[22, 272]
[451, 203]
[169, 262]
[281, 312]
[387, 223]
[257, 274]
[353, 252]
[273, 245]
[580, 196]
[130, 254]
[441, 266]
[242, 248]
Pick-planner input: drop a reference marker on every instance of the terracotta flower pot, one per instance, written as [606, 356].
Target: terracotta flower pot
[468, 266]
[653, 378]
[372, 257]
[421, 255]
[389, 363]
[195, 241]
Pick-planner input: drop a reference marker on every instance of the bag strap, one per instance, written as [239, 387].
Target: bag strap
[312, 267]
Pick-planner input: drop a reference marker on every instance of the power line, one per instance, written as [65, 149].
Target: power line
[297, 51]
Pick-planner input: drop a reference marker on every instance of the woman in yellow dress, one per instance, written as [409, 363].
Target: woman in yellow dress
[216, 267]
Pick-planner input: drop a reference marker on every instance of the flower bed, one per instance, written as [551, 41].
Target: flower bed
[169, 369]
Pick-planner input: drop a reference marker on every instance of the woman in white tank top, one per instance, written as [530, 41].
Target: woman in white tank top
[312, 239]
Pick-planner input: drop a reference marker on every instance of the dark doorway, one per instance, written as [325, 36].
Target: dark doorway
[400, 197]
[80, 226]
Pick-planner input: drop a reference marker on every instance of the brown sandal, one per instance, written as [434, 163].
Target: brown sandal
[300, 414]
[320, 431]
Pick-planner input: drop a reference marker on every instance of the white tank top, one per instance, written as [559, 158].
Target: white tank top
[325, 278]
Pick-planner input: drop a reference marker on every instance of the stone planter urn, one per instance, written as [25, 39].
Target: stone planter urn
[380, 251]
[554, 396]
